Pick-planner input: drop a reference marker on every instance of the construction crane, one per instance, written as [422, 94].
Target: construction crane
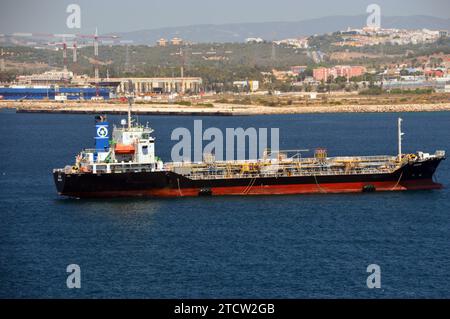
[63, 38]
[75, 52]
[181, 54]
[64, 43]
[125, 43]
[64, 48]
[96, 38]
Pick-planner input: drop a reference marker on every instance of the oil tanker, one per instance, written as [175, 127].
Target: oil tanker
[126, 166]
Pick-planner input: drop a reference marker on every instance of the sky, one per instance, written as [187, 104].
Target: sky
[131, 15]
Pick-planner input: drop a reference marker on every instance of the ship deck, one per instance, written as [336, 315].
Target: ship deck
[286, 167]
[262, 168]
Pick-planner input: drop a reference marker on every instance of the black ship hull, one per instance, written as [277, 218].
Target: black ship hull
[412, 176]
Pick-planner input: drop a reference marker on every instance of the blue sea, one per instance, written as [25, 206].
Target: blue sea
[299, 246]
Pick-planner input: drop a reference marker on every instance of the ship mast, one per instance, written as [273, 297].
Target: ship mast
[130, 101]
[400, 134]
[129, 112]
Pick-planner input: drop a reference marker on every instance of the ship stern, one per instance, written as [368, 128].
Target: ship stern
[59, 179]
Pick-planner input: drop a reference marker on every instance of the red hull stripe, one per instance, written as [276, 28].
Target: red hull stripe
[354, 187]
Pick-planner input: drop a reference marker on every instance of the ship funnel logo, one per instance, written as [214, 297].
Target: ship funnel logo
[102, 131]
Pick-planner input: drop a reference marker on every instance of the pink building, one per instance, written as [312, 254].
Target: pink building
[434, 73]
[321, 74]
[350, 71]
[347, 71]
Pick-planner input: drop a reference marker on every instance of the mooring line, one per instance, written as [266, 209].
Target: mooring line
[249, 186]
[320, 188]
[179, 189]
[397, 182]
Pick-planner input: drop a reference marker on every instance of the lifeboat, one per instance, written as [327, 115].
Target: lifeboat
[124, 149]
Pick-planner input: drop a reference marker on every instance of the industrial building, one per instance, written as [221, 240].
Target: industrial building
[159, 85]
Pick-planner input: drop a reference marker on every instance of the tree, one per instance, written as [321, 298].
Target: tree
[404, 72]
[340, 79]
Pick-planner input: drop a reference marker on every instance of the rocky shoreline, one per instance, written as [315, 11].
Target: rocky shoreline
[217, 110]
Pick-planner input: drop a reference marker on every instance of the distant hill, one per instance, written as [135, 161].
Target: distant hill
[238, 32]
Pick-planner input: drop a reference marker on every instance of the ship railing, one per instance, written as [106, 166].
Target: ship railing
[330, 160]
[303, 168]
[207, 175]
[124, 167]
[375, 159]
[102, 168]
[90, 150]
